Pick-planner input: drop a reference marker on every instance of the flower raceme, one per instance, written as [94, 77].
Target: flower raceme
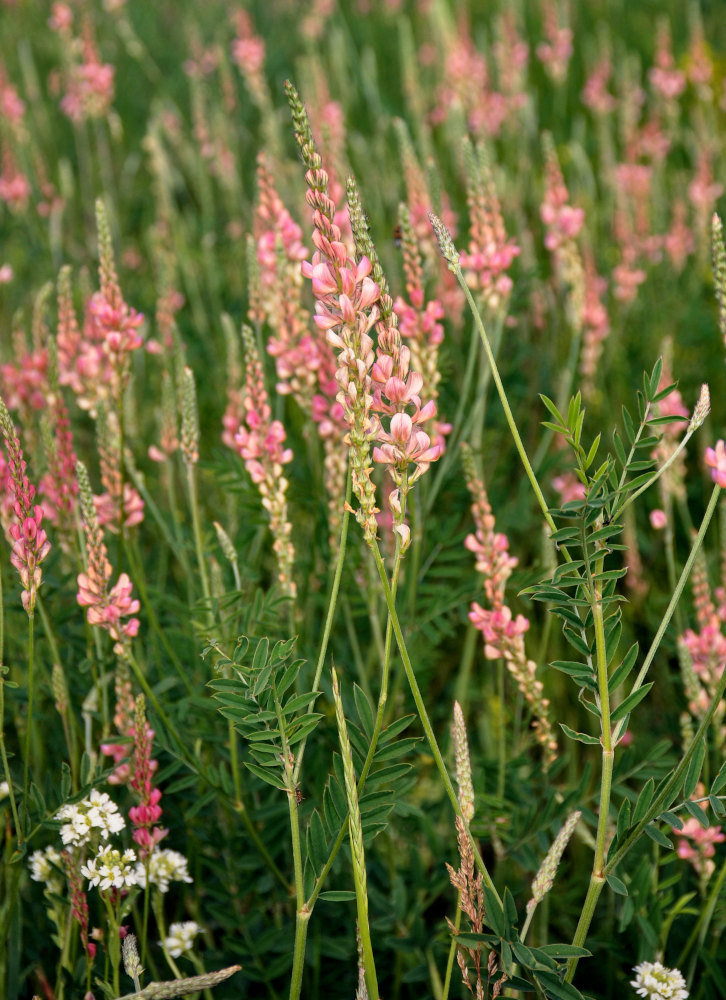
[30, 543]
[106, 608]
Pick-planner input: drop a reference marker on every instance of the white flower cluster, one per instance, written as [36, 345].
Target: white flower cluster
[4, 789]
[165, 866]
[654, 981]
[44, 867]
[97, 812]
[181, 937]
[111, 868]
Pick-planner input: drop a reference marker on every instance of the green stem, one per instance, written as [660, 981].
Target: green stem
[302, 922]
[452, 952]
[197, 528]
[664, 797]
[597, 878]
[4, 755]
[332, 601]
[29, 722]
[158, 909]
[504, 401]
[501, 733]
[425, 721]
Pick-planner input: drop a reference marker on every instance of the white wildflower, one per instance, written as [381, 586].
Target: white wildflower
[181, 937]
[111, 868]
[4, 790]
[654, 981]
[165, 866]
[97, 812]
[44, 867]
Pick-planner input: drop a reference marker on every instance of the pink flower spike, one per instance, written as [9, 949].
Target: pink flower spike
[716, 459]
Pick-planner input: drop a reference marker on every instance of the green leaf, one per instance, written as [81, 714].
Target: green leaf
[288, 677]
[317, 842]
[553, 410]
[337, 896]
[261, 654]
[717, 805]
[658, 836]
[719, 782]
[619, 450]
[510, 912]
[628, 704]
[644, 800]
[609, 531]
[623, 669]
[576, 641]
[617, 885]
[563, 951]
[301, 730]
[387, 775]
[635, 484]
[572, 667]
[565, 535]
[693, 771]
[628, 424]
[365, 712]
[262, 679]
[623, 817]
[554, 987]
[300, 701]
[494, 913]
[592, 452]
[395, 728]
[580, 737]
[697, 812]
[397, 749]
[266, 775]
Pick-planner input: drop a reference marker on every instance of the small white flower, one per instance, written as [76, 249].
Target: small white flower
[4, 789]
[165, 866]
[44, 867]
[654, 981]
[111, 868]
[181, 937]
[97, 812]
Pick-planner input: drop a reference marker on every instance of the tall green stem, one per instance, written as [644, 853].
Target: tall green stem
[197, 529]
[424, 717]
[667, 790]
[29, 722]
[332, 602]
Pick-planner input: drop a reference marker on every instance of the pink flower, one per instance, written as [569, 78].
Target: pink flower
[716, 459]
[30, 544]
[658, 519]
[404, 444]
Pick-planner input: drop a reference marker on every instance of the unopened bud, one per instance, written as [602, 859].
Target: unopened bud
[463, 764]
[446, 244]
[719, 269]
[59, 688]
[132, 962]
[545, 877]
[702, 408]
[189, 419]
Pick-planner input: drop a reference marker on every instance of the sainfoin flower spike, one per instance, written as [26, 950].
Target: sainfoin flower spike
[30, 544]
[261, 443]
[346, 312]
[106, 608]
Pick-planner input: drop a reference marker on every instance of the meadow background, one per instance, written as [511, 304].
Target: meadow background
[577, 155]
